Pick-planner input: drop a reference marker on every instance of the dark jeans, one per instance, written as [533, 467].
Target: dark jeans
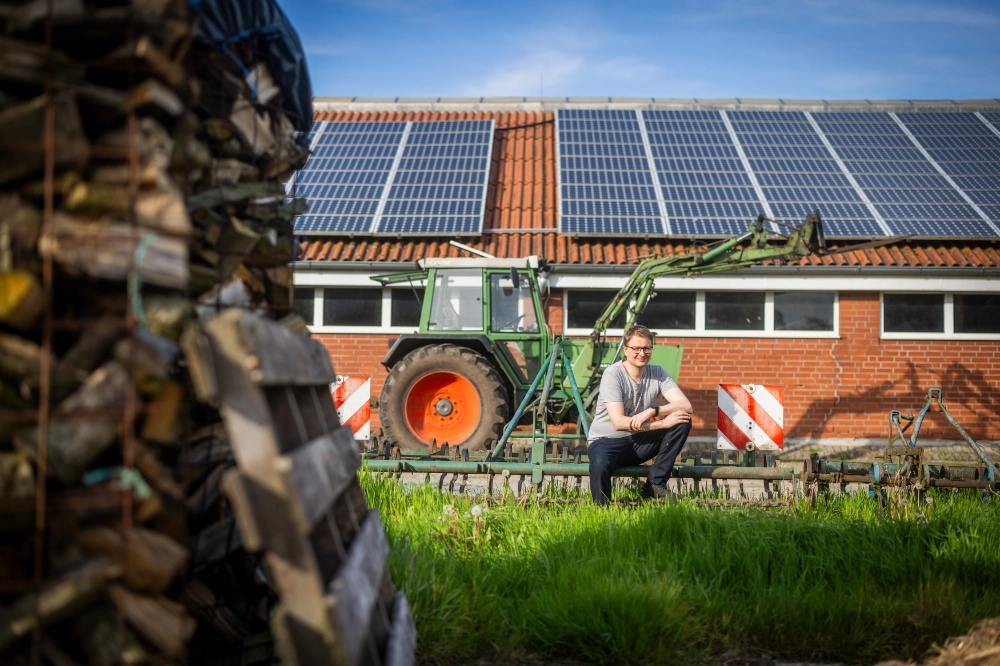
[609, 453]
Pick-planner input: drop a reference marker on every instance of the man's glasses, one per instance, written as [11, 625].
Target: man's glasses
[640, 350]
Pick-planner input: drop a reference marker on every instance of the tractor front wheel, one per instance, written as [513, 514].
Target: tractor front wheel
[445, 392]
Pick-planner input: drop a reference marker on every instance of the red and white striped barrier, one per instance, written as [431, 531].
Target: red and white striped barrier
[751, 413]
[352, 397]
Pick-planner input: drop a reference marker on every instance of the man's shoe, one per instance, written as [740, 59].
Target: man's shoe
[661, 492]
[655, 491]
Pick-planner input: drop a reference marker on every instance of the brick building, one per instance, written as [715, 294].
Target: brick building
[893, 321]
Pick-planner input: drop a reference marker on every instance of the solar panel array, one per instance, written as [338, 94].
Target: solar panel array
[395, 178]
[869, 173]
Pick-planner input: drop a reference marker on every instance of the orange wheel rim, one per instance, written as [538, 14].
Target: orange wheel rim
[442, 405]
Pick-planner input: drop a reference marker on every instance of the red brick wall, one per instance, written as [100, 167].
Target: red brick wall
[833, 388]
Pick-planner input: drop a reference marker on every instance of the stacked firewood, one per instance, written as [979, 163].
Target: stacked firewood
[141, 173]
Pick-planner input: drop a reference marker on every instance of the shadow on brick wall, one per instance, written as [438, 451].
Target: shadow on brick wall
[811, 410]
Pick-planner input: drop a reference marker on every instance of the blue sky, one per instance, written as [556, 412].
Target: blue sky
[793, 49]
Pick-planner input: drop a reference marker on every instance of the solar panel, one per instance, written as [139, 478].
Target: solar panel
[709, 194]
[914, 196]
[439, 151]
[862, 227]
[964, 129]
[605, 181]
[927, 211]
[984, 196]
[951, 142]
[708, 227]
[716, 210]
[869, 173]
[936, 117]
[345, 176]
[786, 152]
[824, 194]
[779, 139]
[395, 177]
[968, 183]
[948, 229]
[799, 210]
[970, 168]
[799, 179]
[889, 167]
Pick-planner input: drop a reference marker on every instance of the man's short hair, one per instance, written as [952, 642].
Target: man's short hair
[640, 330]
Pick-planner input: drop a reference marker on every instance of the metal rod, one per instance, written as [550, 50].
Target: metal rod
[549, 376]
[725, 247]
[520, 410]
[576, 397]
[961, 431]
[919, 419]
[902, 481]
[574, 469]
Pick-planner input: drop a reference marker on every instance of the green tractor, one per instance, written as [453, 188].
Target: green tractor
[483, 343]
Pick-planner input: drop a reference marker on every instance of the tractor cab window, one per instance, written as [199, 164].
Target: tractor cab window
[512, 308]
[457, 304]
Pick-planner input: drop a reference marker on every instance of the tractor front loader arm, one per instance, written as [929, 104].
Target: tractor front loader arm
[747, 249]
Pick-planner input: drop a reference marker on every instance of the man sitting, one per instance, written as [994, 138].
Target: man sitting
[623, 432]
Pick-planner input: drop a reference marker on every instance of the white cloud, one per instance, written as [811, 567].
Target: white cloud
[559, 73]
[626, 69]
[525, 76]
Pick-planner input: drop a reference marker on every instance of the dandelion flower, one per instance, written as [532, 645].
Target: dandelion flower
[477, 511]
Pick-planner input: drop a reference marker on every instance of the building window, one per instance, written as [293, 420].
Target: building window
[977, 313]
[305, 304]
[584, 307]
[734, 310]
[665, 310]
[405, 307]
[913, 313]
[916, 316]
[349, 306]
[670, 310]
[714, 313]
[803, 311]
[360, 309]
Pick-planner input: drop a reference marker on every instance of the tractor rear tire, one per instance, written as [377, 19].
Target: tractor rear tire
[447, 392]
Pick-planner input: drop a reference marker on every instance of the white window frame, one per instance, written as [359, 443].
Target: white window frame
[316, 325]
[699, 330]
[949, 322]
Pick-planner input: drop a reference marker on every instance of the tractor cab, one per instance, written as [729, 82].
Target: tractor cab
[500, 298]
[481, 342]
[491, 305]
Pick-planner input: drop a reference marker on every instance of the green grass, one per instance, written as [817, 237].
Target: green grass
[659, 584]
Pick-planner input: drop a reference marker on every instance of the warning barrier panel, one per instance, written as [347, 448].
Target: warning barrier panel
[352, 397]
[751, 413]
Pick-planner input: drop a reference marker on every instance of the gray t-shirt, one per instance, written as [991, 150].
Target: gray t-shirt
[617, 386]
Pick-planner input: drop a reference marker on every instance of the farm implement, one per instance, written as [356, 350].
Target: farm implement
[902, 465]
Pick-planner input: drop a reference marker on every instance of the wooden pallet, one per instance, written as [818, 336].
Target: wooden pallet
[296, 497]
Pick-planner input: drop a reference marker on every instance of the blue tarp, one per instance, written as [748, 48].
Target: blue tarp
[262, 24]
